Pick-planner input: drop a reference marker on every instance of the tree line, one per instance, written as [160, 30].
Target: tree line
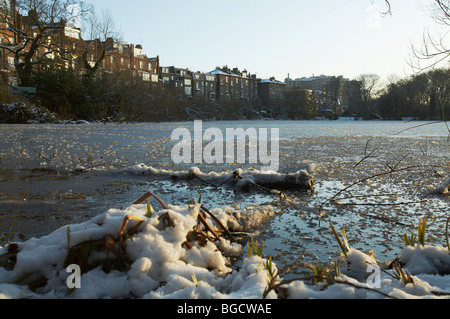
[425, 95]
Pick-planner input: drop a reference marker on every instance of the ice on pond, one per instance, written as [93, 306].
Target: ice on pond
[70, 174]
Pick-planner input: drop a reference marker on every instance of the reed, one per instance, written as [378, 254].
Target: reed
[343, 244]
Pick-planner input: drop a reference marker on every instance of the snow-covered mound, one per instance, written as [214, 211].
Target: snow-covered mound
[361, 280]
[242, 180]
[161, 266]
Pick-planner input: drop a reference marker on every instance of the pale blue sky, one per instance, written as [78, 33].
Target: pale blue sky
[274, 38]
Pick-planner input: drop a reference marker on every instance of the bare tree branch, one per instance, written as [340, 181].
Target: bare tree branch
[388, 9]
[434, 50]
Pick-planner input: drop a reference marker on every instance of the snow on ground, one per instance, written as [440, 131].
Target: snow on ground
[161, 266]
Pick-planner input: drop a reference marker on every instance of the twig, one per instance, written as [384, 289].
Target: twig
[391, 171]
[22, 155]
[384, 204]
[366, 156]
[147, 195]
[218, 222]
[336, 281]
[420, 125]
[12, 220]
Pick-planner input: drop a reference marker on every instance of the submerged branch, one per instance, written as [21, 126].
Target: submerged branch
[392, 170]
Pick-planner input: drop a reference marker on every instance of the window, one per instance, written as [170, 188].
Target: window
[71, 33]
[146, 76]
[141, 64]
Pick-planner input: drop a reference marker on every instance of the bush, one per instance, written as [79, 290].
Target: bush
[24, 113]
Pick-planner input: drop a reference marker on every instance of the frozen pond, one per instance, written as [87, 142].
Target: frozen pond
[40, 190]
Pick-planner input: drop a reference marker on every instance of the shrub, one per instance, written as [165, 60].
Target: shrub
[24, 113]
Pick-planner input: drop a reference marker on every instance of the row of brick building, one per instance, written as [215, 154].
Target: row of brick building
[114, 57]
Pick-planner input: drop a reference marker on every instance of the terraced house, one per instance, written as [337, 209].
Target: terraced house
[233, 85]
[204, 86]
[272, 94]
[26, 40]
[121, 58]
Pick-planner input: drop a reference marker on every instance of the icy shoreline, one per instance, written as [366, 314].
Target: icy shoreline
[162, 267]
[328, 151]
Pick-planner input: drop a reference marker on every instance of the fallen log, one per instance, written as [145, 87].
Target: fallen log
[444, 189]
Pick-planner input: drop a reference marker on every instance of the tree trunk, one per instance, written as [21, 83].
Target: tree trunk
[24, 73]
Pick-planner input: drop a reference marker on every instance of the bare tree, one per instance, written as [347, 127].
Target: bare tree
[102, 27]
[434, 49]
[97, 30]
[369, 88]
[29, 30]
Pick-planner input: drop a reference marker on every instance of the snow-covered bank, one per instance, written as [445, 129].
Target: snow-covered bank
[160, 265]
[240, 178]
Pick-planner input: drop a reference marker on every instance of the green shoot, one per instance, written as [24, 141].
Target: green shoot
[318, 272]
[194, 279]
[344, 246]
[446, 235]
[68, 237]
[149, 209]
[344, 238]
[406, 240]
[337, 269]
[422, 230]
[200, 199]
[410, 241]
[268, 266]
[254, 250]
[401, 275]
[326, 278]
